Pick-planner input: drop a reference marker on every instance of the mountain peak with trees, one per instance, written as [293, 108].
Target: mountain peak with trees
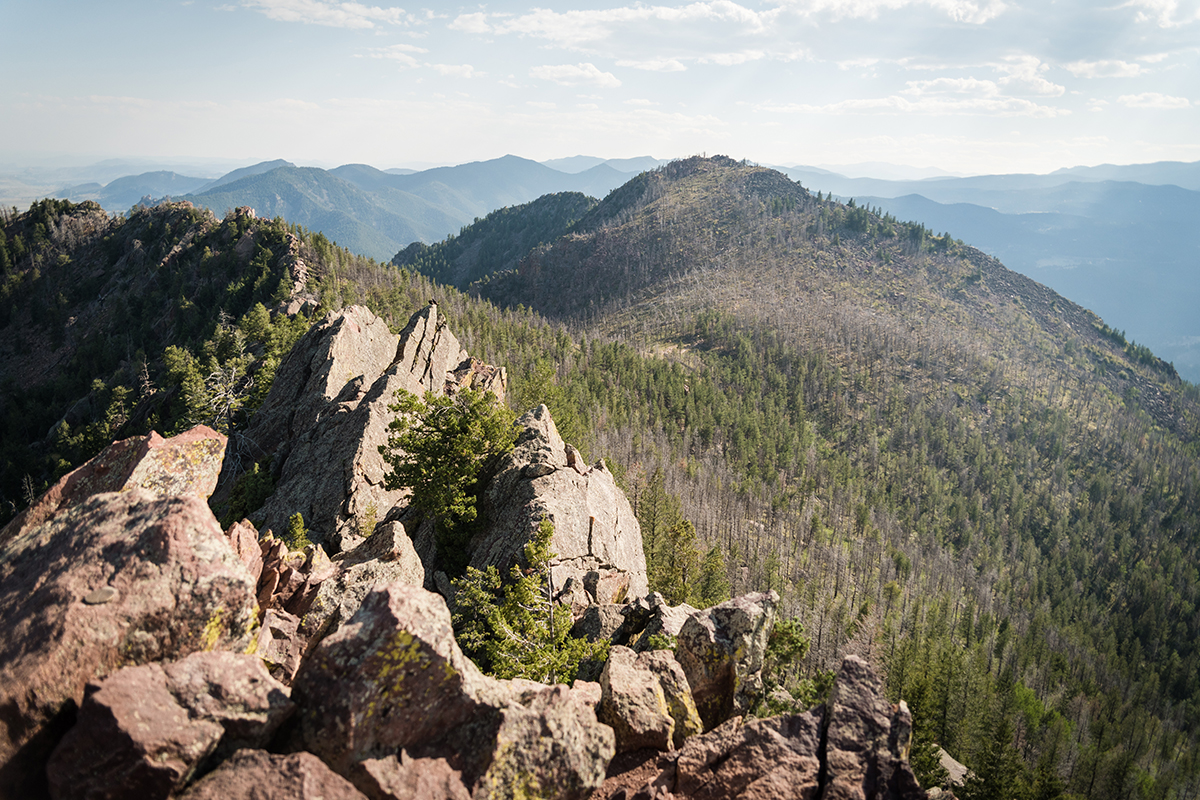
[939, 465]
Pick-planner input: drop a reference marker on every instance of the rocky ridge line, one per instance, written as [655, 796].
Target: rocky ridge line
[341, 677]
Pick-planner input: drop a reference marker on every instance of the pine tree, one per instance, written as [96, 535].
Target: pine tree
[513, 629]
[713, 587]
[444, 448]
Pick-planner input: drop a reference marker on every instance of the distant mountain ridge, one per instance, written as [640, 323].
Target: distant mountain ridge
[1119, 239]
[120, 194]
[575, 164]
[367, 210]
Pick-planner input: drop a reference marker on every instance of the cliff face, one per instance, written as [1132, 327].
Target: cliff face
[327, 414]
[595, 530]
[141, 646]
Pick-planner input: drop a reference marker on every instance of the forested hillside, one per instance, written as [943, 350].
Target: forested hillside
[938, 462]
[941, 465]
[497, 242]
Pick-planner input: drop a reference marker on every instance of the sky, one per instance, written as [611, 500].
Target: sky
[968, 86]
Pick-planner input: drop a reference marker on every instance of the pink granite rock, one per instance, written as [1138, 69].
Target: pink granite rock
[255, 775]
[721, 651]
[144, 731]
[407, 778]
[187, 464]
[393, 679]
[119, 579]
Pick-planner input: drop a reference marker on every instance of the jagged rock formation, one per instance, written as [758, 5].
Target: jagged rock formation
[854, 746]
[406, 778]
[650, 616]
[595, 530]
[144, 731]
[721, 651]
[646, 700]
[109, 603]
[387, 556]
[187, 464]
[288, 585]
[394, 679]
[253, 774]
[867, 740]
[120, 578]
[327, 414]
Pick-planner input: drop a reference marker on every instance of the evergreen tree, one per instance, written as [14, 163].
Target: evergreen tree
[540, 385]
[513, 629]
[713, 587]
[444, 448]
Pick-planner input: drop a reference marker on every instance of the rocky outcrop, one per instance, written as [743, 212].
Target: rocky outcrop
[650, 616]
[387, 556]
[759, 758]
[327, 415]
[721, 651]
[595, 530]
[288, 584]
[599, 621]
[394, 679]
[253, 774]
[280, 645]
[187, 464]
[406, 778]
[243, 538]
[549, 744]
[119, 579]
[867, 740]
[144, 731]
[289, 580]
[854, 746]
[646, 700]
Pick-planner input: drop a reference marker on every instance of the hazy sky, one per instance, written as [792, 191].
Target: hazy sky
[966, 85]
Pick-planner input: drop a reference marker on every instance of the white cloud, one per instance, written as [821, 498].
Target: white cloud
[1024, 77]
[968, 11]
[332, 14]
[576, 28]
[1166, 13]
[455, 70]
[952, 86]
[1021, 77]
[855, 63]
[575, 74]
[402, 53]
[666, 38]
[655, 65]
[799, 54]
[471, 23]
[640, 101]
[1153, 100]
[732, 59]
[1104, 69]
[931, 106]
[540, 104]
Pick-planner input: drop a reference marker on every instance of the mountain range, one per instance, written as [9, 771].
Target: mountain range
[1116, 239]
[370, 211]
[940, 464]
[1120, 240]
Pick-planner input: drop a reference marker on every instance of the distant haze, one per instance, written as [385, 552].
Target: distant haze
[964, 86]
